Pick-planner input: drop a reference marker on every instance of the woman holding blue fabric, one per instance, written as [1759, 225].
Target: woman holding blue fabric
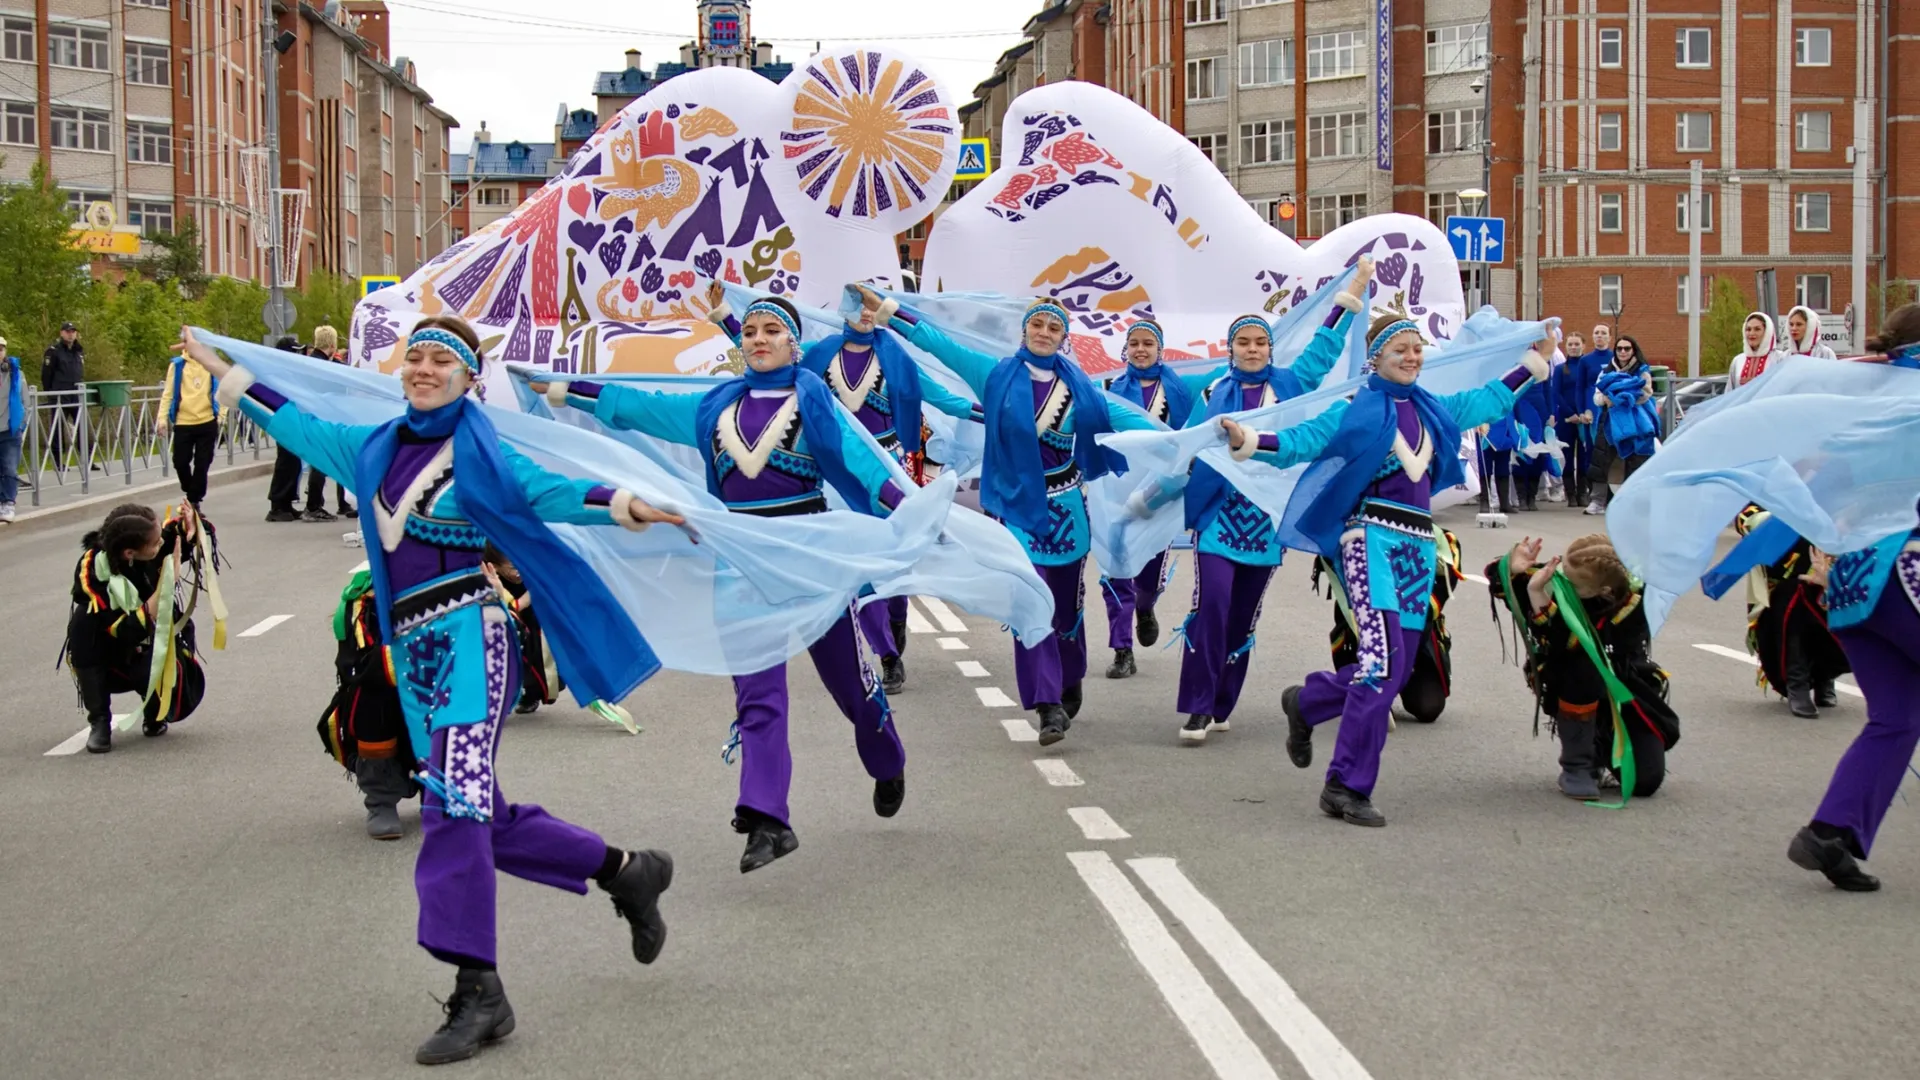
[1624, 422]
[1238, 549]
[436, 484]
[1365, 502]
[1042, 414]
[771, 440]
[1167, 397]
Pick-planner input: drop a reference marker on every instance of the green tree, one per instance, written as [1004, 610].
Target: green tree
[178, 260]
[326, 301]
[43, 277]
[1721, 326]
[231, 307]
[141, 319]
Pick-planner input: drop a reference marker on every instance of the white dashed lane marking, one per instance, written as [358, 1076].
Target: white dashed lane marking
[1097, 824]
[1017, 730]
[1057, 773]
[994, 698]
[264, 625]
[942, 614]
[972, 669]
[953, 644]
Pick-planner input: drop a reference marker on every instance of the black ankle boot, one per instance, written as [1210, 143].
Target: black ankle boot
[1122, 665]
[1070, 700]
[1529, 492]
[1830, 856]
[899, 630]
[1825, 696]
[1054, 723]
[1800, 702]
[635, 891]
[1339, 800]
[1299, 732]
[893, 674]
[383, 782]
[1146, 627]
[99, 734]
[1505, 490]
[888, 795]
[767, 840]
[477, 1014]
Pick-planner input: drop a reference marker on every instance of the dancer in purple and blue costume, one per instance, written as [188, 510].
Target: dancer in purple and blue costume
[772, 440]
[436, 485]
[1238, 548]
[1169, 398]
[884, 389]
[1366, 498]
[1873, 607]
[1042, 414]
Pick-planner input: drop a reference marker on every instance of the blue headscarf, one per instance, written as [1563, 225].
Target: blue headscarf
[896, 367]
[1173, 389]
[1207, 489]
[1013, 483]
[1330, 489]
[595, 645]
[819, 419]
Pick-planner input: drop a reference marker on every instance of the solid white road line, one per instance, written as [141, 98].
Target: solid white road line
[1097, 824]
[1057, 773]
[1754, 661]
[264, 625]
[1017, 730]
[944, 615]
[972, 669]
[1319, 1051]
[1220, 1037]
[953, 644]
[916, 622]
[78, 741]
[993, 697]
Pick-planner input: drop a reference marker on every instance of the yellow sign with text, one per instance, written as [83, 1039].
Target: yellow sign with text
[105, 242]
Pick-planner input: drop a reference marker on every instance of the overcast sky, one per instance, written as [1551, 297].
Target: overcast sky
[513, 66]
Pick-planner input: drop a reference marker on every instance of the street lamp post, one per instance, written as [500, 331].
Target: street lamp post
[1483, 85]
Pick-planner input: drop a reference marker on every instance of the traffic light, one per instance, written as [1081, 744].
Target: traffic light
[1284, 217]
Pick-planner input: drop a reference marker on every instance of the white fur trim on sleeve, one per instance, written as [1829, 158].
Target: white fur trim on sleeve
[557, 393]
[1536, 365]
[1349, 301]
[720, 313]
[622, 510]
[1600, 399]
[887, 308]
[1247, 448]
[234, 387]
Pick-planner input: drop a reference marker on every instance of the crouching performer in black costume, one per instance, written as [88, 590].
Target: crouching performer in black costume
[1787, 624]
[1424, 697]
[1588, 661]
[364, 728]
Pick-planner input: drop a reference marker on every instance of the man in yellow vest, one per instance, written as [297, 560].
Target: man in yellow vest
[188, 410]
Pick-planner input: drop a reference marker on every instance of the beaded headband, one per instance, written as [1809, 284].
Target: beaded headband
[768, 307]
[1387, 334]
[1050, 308]
[448, 340]
[1151, 327]
[1245, 321]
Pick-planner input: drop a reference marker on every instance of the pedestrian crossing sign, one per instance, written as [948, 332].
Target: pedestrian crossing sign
[976, 159]
[373, 283]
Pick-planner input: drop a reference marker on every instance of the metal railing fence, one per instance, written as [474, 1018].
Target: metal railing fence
[110, 429]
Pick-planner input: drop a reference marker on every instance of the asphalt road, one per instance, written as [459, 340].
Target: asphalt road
[206, 905]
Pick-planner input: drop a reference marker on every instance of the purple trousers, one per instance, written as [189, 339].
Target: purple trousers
[1124, 596]
[760, 700]
[1885, 653]
[1061, 660]
[1226, 605]
[876, 625]
[454, 875]
[1363, 709]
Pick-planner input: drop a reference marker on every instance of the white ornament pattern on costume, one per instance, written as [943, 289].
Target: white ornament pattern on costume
[1907, 569]
[1370, 623]
[469, 769]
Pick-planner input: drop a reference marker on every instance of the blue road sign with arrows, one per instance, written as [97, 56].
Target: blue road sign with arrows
[1478, 239]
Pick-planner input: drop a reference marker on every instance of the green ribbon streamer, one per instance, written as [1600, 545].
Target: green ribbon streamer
[121, 592]
[357, 586]
[1574, 614]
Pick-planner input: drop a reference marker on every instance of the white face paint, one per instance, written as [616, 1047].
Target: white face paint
[1045, 332]
[766, 342]
[1252, 348]
[1401, 360]
[434, 376]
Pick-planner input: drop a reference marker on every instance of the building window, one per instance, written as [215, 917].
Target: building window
[386, 154]
[350, 192]
[1612, 294]
[1812, 46]
[19, 40]
[1266, 63]
[419, 166]
[78, 201]
[81, 129]
[349, 132]
[77, 47]
[1206, 78]
[1812, 212]
[22, 124]
[1267, 142]
[1693, 47]
[1333, 56]
[1610, 47]
[353, 257]
[1214, 145]
[161, 4]
[1456, 48]
[1339, 135]
[1326, 213]
[1205, 11]
[149, 65]
[1814, 291]
[1813, 131]
[1442, 205]
[1706, 294]
[386, 97]
[494, 196]
[150, 217]
[1609, 132]
[1706, 211]
[1693, 131]
[1452, 131]
[149, 144]
[1269, 209]
[1610, 214]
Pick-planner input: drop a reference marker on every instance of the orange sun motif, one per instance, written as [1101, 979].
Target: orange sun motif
[866, 140]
